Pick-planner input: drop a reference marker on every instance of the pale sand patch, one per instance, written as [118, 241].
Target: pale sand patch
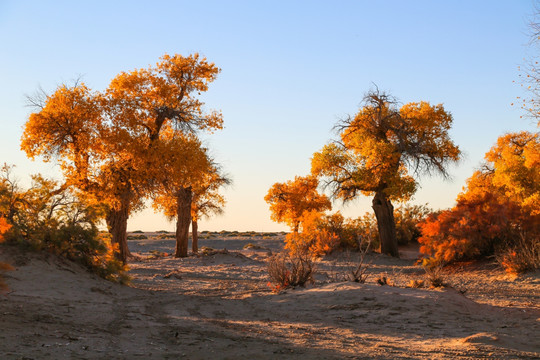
[220, 307]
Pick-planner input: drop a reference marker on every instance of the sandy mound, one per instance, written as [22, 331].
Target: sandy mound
[219, 306]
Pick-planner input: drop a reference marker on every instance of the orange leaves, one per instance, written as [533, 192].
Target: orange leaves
[4, 227]
[118, 146]
[482, 220]
[498, 208]
[316, 238]
[382, 144]
[516, 163]
[183, 162]
[65, 126]
[289, 201]
[107, 142]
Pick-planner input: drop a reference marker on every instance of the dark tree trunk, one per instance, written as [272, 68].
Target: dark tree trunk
[384, 211]
[117, 225]
[194, 236]
[183, 213]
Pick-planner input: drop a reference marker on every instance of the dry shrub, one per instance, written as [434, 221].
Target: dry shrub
[357, 272]
[252, 247]
[208, 251]
[137, 237]
[351, 266]
[434, 272]
[416, 284]
[525, 256]
[383, 280]
[289, 270]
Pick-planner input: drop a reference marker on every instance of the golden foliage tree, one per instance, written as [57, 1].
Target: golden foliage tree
[499, 209]
[186, 174]
[378, 150]
[106, 143]
[289, 201]
[514, 163]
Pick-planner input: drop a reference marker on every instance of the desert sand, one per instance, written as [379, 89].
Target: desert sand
[219, 306]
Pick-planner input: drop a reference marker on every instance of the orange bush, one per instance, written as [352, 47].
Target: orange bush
[314, 238]
[498, 213]
[4, 226]
[482, 222]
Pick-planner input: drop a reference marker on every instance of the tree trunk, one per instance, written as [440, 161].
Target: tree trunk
[194, 236]
[384, 211]
[117, 225]
[183, 213]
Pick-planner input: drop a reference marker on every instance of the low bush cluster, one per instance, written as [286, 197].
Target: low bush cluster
[321, 234]
[48, 217]
[498, 214]
[137, 237]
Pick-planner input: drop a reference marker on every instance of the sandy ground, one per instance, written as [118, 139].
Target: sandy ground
[220, 307]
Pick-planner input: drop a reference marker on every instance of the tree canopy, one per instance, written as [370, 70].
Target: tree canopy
[107, 143]
[290, 200]
[381, 152]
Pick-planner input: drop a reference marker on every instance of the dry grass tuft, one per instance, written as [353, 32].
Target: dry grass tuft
[525, 256]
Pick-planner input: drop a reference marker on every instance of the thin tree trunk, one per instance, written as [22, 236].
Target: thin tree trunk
[183, 213]
[117, 225]
[194, 236]
[384, 211]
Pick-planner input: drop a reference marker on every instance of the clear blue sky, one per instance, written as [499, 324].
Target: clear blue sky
[290, 70]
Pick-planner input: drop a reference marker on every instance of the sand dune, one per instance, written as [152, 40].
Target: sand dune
[220, 306]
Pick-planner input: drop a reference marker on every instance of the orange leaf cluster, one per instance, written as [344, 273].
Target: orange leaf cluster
[4, 227]
[133, 141]
[382, 144]
[498, 208]
[291, 200]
